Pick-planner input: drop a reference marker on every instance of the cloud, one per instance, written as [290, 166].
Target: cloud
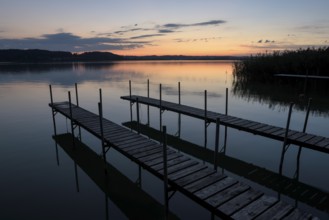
[146, 36]
[131, 30]
[71, 42]
[179, 25]
[166, 31]
[260, 41]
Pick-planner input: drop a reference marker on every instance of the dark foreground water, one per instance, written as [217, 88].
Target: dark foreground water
[39, 180]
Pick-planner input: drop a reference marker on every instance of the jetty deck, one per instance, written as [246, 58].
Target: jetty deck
[307, 140]
[224, 196]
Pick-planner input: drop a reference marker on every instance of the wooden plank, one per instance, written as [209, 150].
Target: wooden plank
[170, 163]
[187, 171]
[148, 153]
[279, 132]
[323, 143]
[305, 138]
[296, 214]
[179, 166]
[256, 208]
[157, 155]
[240, 201]
[278, 211]
[314, 140]
[127, 143]
[125, 139]
[204, 182]
[136, 145]
[194, 177]
[272, 130]
[296, 135]
[215, 188]
[227, 194]
[143, 149]
[160, 159]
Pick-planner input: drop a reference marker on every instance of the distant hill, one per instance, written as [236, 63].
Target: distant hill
[14, 55]
[36, 56]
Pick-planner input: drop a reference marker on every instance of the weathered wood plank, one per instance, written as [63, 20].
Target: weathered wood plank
[242, 200]
[147, 153]
[314, 140]
[194, 177]
[187, 171]
[152, 146]
[171, 162]
[305, 138]
[278, 211]
[204, 182]
[160, 159]
[256, 208]
[296, 214]
[179, 166]
[157, 155]
[215, 188]
[323, 143]
[227, 194]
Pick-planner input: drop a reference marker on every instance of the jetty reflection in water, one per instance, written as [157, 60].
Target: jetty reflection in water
[127, 195]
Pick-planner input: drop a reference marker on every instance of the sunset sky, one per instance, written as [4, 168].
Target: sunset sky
[164, 27]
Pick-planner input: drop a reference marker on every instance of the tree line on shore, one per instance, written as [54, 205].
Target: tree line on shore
[39, 56]
[264, 66]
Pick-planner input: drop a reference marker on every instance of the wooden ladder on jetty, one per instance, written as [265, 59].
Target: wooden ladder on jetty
[224, 196]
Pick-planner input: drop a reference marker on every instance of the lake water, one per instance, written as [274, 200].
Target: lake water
[40, 181]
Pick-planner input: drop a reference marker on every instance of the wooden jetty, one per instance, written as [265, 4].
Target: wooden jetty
[291, 187]
[224, 196]
[310, 141]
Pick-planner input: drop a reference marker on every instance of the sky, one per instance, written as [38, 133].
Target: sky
[164, 27]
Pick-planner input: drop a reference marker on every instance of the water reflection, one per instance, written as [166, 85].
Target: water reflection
[128, 196]
[279, 94]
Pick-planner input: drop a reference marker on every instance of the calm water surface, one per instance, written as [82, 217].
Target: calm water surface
[40, 181]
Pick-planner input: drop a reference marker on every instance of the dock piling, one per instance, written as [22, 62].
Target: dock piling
[71, 117]
[53, 112]
[226, 101]
[205, 119]
[165, 170]
[131, 103]
[137, 113]
[160, 107]
[148, 107]
[216, 143]
[100, 111]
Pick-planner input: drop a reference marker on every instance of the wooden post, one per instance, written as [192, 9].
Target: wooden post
[216, 143]
[179, 114]
[77, 100]
[76, 93]
[100, 110]
[284, 149]
[137, 113]
[160, 91]
[226, 101]
[52, 109]
[165, 171]
[131, 103]
[148, 107]
[205, 119]
[71, 117]
[179, 97]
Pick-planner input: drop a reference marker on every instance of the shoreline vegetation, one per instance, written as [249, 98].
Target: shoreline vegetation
[41, 56]
[255, 79]
[264, 66]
